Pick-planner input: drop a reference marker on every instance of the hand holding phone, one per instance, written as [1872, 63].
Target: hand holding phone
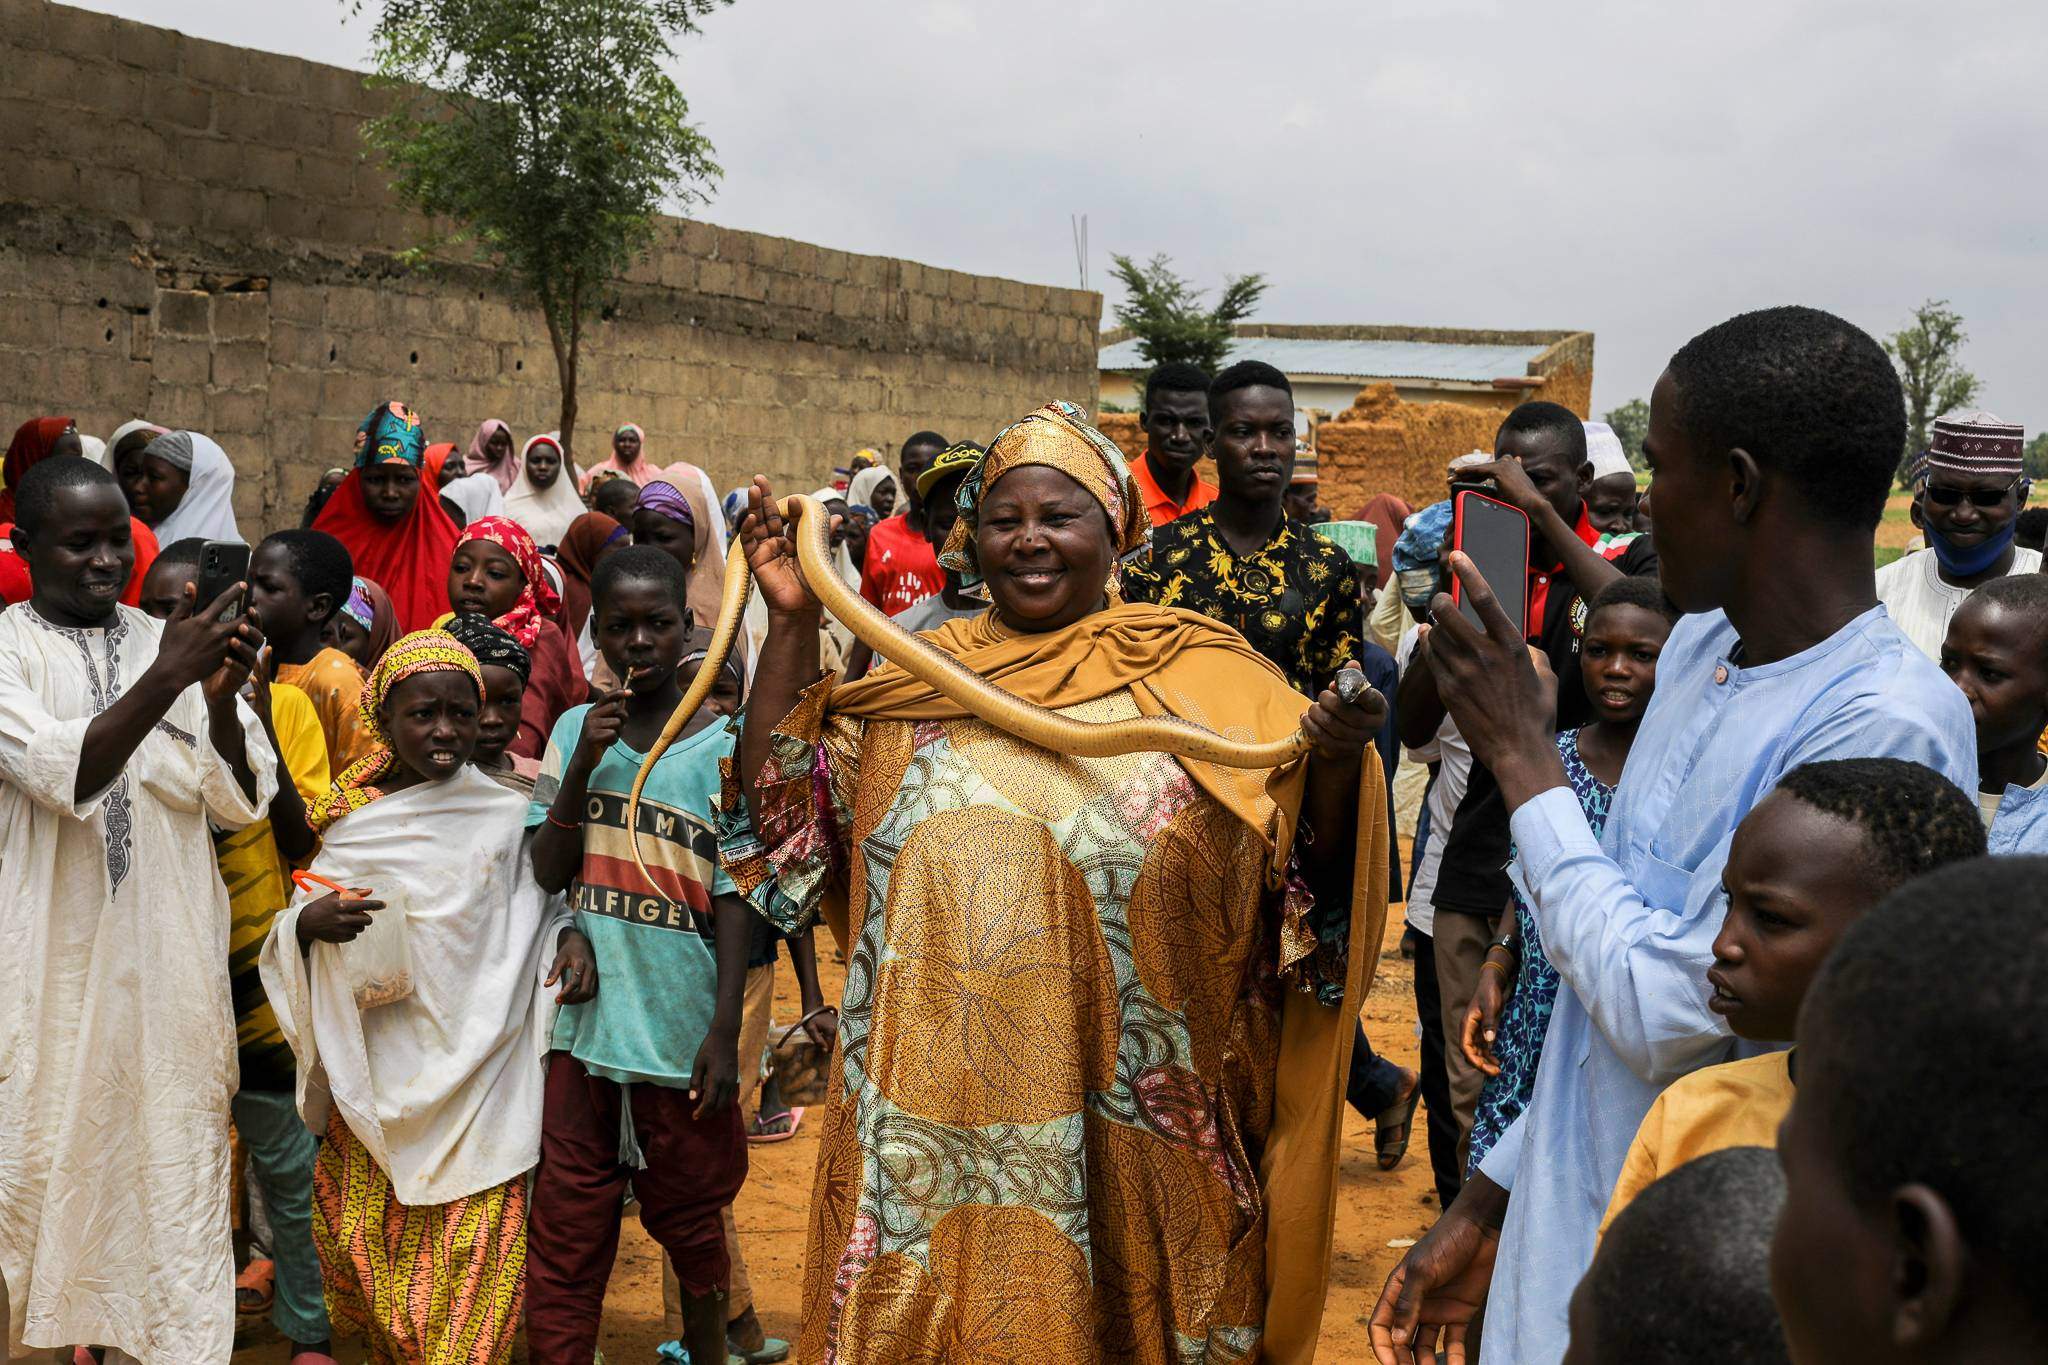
[222, 564]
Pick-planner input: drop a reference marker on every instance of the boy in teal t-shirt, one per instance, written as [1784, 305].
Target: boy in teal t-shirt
[643, 1074]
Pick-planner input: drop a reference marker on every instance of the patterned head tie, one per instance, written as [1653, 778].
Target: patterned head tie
[423, 651]
[540, 598]
[1058, 436]
[359, 608]
[391, 434]
[493, 645]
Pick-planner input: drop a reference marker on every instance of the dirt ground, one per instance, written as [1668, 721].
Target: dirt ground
[1374, 1208]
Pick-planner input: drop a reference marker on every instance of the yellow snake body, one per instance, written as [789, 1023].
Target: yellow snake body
[941, 672]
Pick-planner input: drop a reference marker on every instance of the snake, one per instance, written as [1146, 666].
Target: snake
[946, 675]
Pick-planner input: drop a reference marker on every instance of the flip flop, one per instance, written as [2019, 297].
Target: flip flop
[795, 1116]
[1393, 1127]
[675, 1353]
[773, 1351]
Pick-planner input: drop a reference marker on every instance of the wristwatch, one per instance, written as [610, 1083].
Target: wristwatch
[1511, 946]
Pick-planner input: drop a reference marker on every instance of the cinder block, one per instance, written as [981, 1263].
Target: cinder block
[55, 78]
[22, 23]
[43, 180]
[154, 49]
[80, 32]
[216, 64]
[177, 103]
[326, 177]
[182, 360]
[176, 402]
[241, 365]
[238, 413]
[183, 312]
[289, 216]
[241, 315]
[172, 203]
[233, 210]
[111, 191]
[292, 301]
[351, 308]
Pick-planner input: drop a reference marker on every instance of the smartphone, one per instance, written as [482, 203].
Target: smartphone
[222, 564]
[1494, 535]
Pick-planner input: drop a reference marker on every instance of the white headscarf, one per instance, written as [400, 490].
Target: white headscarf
[122, 433]
[544, 512]
[861, 487]
[476, 494]
[94, 449]
[208, 508]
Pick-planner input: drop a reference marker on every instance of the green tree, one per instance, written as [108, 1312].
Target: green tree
[545, 135]
[1926, 354]
[2034, 459]
[1165, 312]
[1631, 422]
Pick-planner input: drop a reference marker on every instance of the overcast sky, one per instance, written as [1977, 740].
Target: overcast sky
[1641, 170]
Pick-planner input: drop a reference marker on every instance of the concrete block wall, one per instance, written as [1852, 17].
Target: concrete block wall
[190, 232]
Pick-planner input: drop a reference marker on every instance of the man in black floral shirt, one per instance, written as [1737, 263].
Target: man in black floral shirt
[1241, 560]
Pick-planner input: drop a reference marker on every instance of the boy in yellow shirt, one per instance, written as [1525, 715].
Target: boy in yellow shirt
[1808, 860]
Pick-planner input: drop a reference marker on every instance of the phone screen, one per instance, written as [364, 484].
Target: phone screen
[1495, 537]
[222, 564]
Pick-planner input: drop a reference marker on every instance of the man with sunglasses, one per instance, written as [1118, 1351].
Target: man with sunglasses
[1970, 505]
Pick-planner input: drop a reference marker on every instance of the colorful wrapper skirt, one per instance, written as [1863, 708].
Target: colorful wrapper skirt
[438, 1284]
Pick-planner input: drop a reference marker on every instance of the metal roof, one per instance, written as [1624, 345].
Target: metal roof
[1299, 356]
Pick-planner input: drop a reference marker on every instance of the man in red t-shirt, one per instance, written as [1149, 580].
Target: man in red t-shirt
[1177, 433]
[901, 569]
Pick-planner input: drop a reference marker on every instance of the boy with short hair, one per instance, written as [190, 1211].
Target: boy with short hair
[1684, 1276]
[298, 580]
[256, 863]
[1996, 651]
[640, 1086]
[1831, 841]
[1914, 1167]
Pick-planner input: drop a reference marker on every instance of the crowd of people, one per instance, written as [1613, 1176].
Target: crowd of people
[1731, 846]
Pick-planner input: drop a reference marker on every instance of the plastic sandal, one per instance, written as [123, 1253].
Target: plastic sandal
[256, 1288]
[796, 1121]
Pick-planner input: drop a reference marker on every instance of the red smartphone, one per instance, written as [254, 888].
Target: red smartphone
[1494, 535]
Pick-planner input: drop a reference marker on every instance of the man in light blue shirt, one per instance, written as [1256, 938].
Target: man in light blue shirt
[1772, 439]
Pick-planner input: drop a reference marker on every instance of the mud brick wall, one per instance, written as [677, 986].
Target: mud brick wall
[189, 232]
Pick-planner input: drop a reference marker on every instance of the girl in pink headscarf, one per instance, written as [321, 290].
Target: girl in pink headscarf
[628, 457]
[491, 452]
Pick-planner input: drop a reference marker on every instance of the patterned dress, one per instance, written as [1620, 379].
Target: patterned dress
[1526, 1017]
[1295, 598]
[1057, 1048]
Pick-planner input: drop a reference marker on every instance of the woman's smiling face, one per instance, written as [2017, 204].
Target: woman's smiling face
[1044, 546]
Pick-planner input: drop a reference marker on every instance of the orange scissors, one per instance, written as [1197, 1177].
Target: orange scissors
[306, 881]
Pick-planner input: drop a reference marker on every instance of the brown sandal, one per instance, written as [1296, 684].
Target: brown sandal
[1391, 1129]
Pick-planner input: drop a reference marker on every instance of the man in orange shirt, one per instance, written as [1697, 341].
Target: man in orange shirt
[1177, 432]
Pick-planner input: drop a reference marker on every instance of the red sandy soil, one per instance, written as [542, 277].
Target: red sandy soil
[1373, 1208]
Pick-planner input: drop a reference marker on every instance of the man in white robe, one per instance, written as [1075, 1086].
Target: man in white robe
[119, 740]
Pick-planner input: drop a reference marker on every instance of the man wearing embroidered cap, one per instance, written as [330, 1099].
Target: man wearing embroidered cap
[1970, 504]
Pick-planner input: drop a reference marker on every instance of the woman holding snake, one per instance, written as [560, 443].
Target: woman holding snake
[1086, 1097]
